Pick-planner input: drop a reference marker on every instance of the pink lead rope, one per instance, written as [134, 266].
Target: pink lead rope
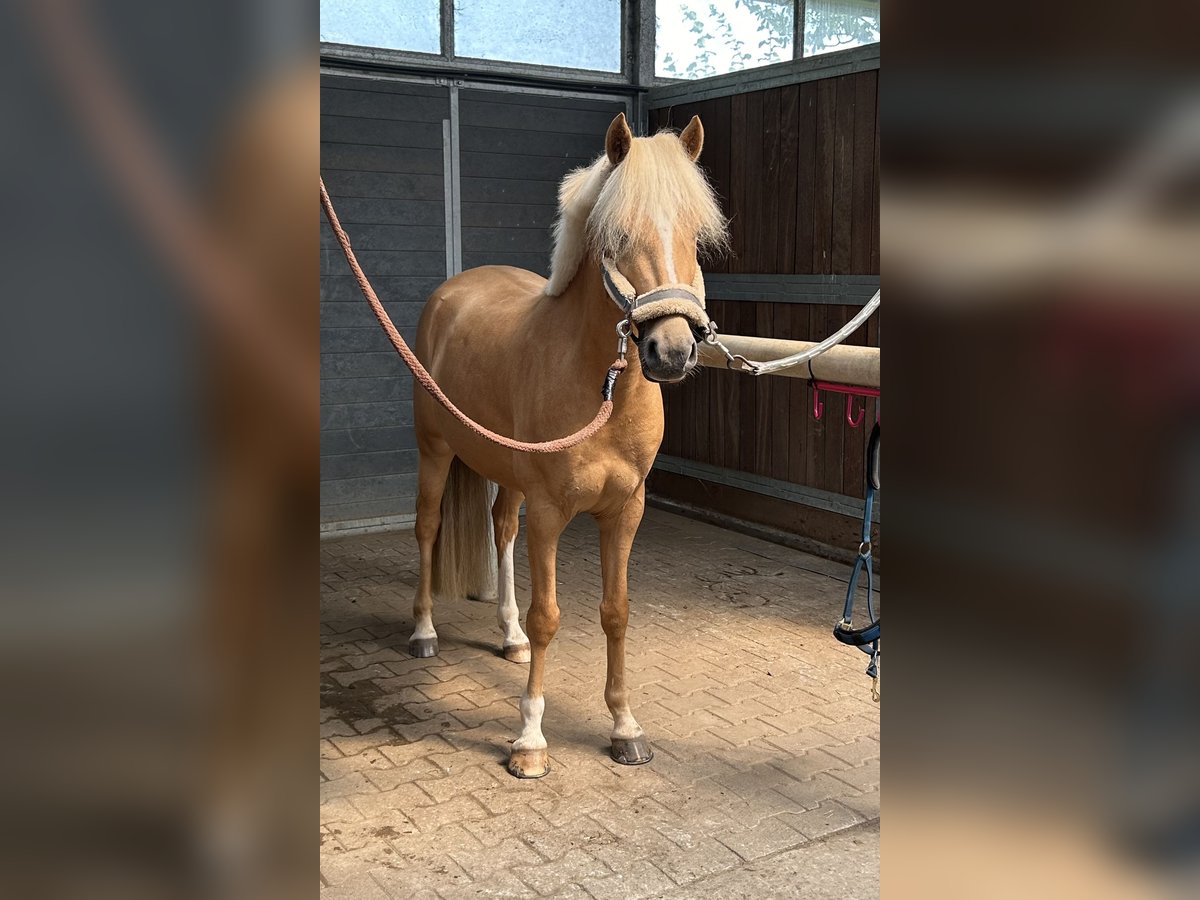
[426, 380]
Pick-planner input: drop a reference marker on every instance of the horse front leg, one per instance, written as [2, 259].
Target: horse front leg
[544, 523]
[630, 746]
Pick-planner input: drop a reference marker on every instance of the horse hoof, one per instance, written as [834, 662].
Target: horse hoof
[518, 653]
[423, 648]
[529, 763]
[635, 752]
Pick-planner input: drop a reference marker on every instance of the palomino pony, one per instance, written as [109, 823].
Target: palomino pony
[526, 357]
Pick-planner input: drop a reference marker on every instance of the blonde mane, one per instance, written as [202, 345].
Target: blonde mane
[607, 208]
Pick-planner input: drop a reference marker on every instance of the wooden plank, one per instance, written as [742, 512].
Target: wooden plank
[728, 425]
[738, 151]
[750, 435]
[343, 184]
[368, 509]
[843, 175]
[817, 525]
[814, 470]
[384, 363]
[668, 445]
[506, 240]
[337, 129]
[548, 105]
[368, 440]
[530, 142]
[534, 262]
[359, 315]
[822, 261]
[360, 465]
[388, 237]
[538, 216]
[764, 389]
[835, 415]
[780, 400]
[785, 219]
[490, 114]
[768, 205]
[754, 188]
[508, 190]
[863, 222]
[344, 81]
[699, 439]
[806, 180]
[382, 263]
[715, 159]
[363, 415]
[365, 158]
[797, 400]
[521, 168]
[351, 489]
[355, 211]
[373, 105]
[342, 289]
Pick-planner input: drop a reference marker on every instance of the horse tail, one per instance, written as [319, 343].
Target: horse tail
[462, 554]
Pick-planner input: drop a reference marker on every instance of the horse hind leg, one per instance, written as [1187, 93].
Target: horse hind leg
[505, 522]
[432, 470]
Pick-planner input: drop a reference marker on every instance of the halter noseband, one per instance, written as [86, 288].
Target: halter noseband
[665, 300]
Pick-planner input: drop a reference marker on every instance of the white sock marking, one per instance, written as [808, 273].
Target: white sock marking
[531, 716]
[507, 613]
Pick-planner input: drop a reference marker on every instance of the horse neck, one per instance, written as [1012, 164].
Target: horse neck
[594, 318]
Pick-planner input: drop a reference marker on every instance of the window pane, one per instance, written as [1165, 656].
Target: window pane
[394, 24]
[839, 24]
[576, 34]
[698, 38]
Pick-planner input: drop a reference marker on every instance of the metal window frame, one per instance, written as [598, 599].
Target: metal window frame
[635, 76]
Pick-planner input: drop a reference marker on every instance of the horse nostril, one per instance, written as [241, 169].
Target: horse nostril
[652, 350]
[694, 354]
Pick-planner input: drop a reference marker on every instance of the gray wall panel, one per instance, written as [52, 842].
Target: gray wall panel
[384, 186]
[381, 157]
[391, 289]
[366, 415]
[516, 148]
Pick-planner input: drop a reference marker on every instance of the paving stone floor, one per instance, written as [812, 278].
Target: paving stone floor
[765, 781]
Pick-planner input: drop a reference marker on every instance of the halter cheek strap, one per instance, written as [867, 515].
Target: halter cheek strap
[685, 300]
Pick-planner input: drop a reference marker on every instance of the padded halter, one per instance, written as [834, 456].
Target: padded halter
[685, 300]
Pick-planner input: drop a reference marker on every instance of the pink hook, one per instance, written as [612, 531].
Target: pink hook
[854, 423]
[818, 405]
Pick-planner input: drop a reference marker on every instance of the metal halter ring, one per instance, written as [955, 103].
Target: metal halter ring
[624, 328]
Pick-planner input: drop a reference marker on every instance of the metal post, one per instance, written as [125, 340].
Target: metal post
[448, 29]
[798, 29]
[639, 56]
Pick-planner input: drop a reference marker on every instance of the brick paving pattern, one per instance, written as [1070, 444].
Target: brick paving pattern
[765, 780]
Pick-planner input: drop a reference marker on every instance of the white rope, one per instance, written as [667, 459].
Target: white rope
[765, 367]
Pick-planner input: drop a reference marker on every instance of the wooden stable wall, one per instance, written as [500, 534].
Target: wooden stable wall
[796, 167]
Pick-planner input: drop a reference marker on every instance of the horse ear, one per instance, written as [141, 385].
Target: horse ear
[693, 138]
[618, 140]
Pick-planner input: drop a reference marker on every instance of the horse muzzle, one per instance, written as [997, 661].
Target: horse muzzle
[667, 349]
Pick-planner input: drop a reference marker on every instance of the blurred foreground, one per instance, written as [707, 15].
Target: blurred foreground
[1041, 252]
[159, 476]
